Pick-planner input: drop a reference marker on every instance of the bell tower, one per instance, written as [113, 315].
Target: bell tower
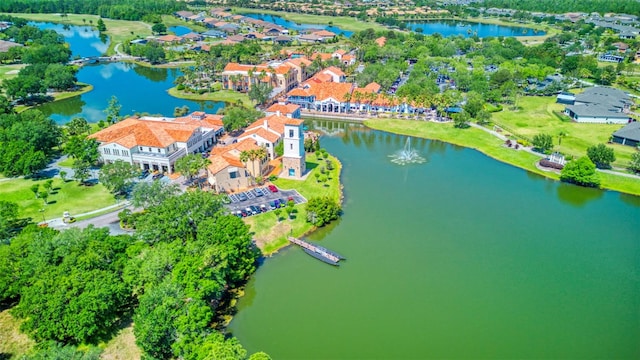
[293, 160]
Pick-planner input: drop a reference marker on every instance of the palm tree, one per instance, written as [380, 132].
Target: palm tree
[347, 99]
[561, 134]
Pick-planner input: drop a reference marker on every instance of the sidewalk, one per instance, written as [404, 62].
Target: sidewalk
[56, 222]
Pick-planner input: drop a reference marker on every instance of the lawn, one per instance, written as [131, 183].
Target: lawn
[221, 95]
[343, 22]
[491, 146]
[537, 115]
[66, 196]
[170, 20]
[9, 71]
[13, 343]
[118, 30]
[269, 233]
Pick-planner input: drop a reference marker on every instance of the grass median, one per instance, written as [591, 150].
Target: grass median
[270, 232]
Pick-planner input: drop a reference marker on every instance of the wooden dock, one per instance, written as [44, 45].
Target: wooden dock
[318, 252]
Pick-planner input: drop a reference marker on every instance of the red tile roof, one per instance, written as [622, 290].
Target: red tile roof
[138, 132]
[283, 108]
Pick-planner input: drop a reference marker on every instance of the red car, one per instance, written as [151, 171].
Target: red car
[273, 188]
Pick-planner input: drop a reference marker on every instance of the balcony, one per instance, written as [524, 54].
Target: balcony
[154, 157]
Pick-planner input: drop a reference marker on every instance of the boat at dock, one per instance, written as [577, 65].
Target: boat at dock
[318, 252]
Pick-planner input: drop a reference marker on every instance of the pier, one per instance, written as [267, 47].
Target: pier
[318, 252]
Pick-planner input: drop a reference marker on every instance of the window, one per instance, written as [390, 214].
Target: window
[291, 146]
[149, 149]
[158, 150]
[125, 153]
[233, 175]
[266, 144]
[107, 151]
[140, 147]
[116, 152]
[290, 133]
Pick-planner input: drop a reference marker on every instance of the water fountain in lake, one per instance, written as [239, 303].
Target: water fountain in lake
[407, 155]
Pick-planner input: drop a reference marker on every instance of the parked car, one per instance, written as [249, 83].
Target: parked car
[283, 203]
[157, 176]
[249, 211]
[263, 208]
[244, 213]
[273, 204]
[238, 213]
[255, 210]
[258, 192]
[144, 174]
[273, 188]
[290, 198]
[242, 196]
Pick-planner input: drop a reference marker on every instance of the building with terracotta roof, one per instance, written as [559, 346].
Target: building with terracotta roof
[324, 34]
[322, 96]
[381, 41]
[228, 173]
[280, 75]
[169, 39]
[267, 131]
[288, 110]
[336, 74]
[155, 143]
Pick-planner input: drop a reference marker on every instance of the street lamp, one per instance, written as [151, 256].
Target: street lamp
[43, 219]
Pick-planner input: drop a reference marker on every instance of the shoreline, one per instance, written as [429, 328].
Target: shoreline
[60, 96]
[494, 149]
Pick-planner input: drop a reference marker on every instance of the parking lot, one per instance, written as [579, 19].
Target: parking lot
[262, 198]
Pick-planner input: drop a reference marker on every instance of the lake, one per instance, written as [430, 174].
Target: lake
[139, 89]
[298, 27]
[467, 29]
[180, 30]
[459, 257]
[83, 41]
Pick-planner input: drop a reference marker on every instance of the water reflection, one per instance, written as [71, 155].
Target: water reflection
[577, 196]
[467, 29]
[83, 40]
[630, 199]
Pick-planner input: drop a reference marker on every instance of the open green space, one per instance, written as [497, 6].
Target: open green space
[491, 146]
[537, 115]
[9, 71]
[65, 196]
[344, 22]
[271, 233]
[13, 343]
[118, 30]
[220, 95]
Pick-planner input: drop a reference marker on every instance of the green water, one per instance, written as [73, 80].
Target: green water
[460, 257]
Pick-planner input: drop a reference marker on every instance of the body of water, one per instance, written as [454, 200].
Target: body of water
[83, 41]
[299, 27]
[139, 89]
[467, 29]
[459, 257]
[180, 30]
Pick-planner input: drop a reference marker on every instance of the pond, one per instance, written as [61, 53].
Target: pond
[298, 27]
[139, 89]
[84, 41]
[458, 257]
[180, 30]
[467, 29]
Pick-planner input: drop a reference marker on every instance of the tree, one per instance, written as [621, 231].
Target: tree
[277, 212]
[542, 142]
[148, 194]
[63, 175]
[580, 172]
[601, 155]
[101, 26]
[82, 148]
[561, 134]
[279, 149]
[190, 165]
[78, 126]
[159, 28]
[113, 110]
[634, 164]
[44, 196]
[322, 210]
[8, 215]
[60, 77]
[461, 120]
[237, 117]
[81, 170]
[118, 176]
[48, 185]
[260, 92]
[35, 189]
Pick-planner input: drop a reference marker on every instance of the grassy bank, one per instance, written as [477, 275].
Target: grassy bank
[269, 232]
[537, 115]
[343, 22]
[221, 95]
[83, 88]
[118, 30]
[65, 196]
[490, 146]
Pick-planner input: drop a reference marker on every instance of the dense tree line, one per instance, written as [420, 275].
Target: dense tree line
[558, 7]
[174, 277]
[113, 9]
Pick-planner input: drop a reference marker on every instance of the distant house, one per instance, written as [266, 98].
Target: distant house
[600, 105]
[6, 45]
[611, 58]
[566, 98]
[282, 109]
[214, 34]
[282, 40]
[192, 37]
[183, 15]
[309, 38]
[169, 39]
[381, 41]
[628, 135]
[226, 172]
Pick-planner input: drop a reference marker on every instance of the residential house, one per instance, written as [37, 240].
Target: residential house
[301, 65]
[310, 38]
[183, 15]
[214, 34]
[280, 75]
[267, 132]
[227, 173]
[169, 39]
[600, 105]
[324, 35]
[611, 58]
[621, 47]
[229, 28]
[192, 37]
[282, 40]
[6, 45]
[381, 41]
[336, 74]
[628, 135]
[156, 143]
[344, 57]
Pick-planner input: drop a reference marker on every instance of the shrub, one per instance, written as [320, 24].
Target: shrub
[180, 87]
[581, 172]
[551, 164]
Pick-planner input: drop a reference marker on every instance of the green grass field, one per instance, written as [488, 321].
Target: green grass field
[270, 234]
[13, 343]
[170, 20]
[118, 30]
[491, 146]
[344, 22]
[66, 196]
[9, 71]
[221, 95]
[539, 115]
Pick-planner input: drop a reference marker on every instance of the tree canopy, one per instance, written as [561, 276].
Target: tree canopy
[601, 155]
[580, 172]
